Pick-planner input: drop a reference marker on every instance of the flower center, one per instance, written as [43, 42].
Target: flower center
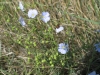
[63, 47]
[43, 16]
[32, 14]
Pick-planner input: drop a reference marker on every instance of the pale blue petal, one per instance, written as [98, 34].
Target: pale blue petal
[22, 22]
[92, 73]
[62, 51]
[45, 14]
[45, 19]
[61, 44]
[98, 30]
[97, 46]
[63, 48]
[21, 6]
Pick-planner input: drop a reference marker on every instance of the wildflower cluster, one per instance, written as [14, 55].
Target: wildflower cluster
[32, 13]
[45, 17]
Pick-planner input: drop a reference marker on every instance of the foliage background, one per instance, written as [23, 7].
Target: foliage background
[33, 50]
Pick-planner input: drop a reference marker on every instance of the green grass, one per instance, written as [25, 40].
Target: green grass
[33, 50]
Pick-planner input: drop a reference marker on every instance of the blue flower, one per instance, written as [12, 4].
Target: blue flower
[98, 30]
[22, 22]
[21, 6]
[32, 13]
[63, 48]
[97, 47]
[59, 29]
[92, 73]
[45, 17]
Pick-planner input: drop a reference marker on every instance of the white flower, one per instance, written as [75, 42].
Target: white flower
[63, 48]
[21, 6]
[22, 22]
[32, 13]
[92, 73]
[45, 17]
[59, 29]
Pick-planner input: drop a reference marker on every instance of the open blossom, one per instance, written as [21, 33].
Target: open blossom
[22, 22]
[21, 6]
[98, 30]
[32, 13]
[45, 17]
[93, 73]
[63, 48]
[97, 46]
[59, 29]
